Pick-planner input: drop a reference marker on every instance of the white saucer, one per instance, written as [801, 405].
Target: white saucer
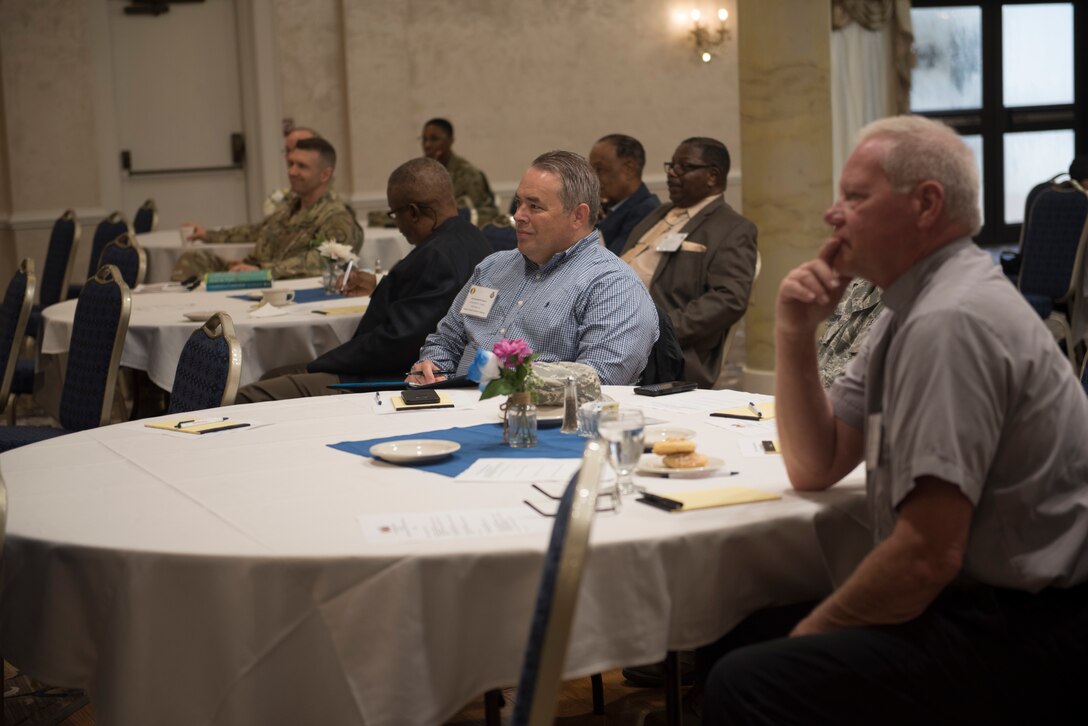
[414, 451]
[651, 464]
[199, 316]
[652, 434]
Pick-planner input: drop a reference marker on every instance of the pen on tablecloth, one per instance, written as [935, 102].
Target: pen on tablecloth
[378, 397]
[347, 274]
[199, 422]
[435, 371]
[755, 411]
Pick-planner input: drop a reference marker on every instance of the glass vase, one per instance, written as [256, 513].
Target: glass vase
[330, 276]
[519, 421]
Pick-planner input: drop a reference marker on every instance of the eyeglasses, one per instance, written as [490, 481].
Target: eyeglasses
[393, 213]
[680, 168]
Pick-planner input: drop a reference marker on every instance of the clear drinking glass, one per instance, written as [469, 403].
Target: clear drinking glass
[622, 429]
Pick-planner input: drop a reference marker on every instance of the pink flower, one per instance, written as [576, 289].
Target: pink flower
[512, 353]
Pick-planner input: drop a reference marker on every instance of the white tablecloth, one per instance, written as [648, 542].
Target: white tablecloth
[225, 578]
[386, 244]
[158, 330]
[163, 248]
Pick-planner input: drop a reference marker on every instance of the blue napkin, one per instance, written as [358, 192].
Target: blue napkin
[483, 441]
[306, 295]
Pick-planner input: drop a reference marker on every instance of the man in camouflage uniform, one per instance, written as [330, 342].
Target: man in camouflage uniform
[468, 181]
[286, 242]
[846, 328]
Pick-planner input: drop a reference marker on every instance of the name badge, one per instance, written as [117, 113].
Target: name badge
[670, 241]
[479, 301]
[874, 431]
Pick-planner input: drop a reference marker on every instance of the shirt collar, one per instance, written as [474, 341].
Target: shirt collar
[591, 239]
[901, 292]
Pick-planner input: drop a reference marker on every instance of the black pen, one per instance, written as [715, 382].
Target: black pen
[436, 372]
[378, 397]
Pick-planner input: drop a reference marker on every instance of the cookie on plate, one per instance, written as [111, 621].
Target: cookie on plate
[686, 460]
[674, 446]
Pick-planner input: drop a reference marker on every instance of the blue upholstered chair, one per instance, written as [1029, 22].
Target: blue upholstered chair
[146, 219]
[125, 254]
[107, 230]
[98, 331]
[209, 368]
[14, 315]
[1052, 251]
[500, 233]
[53, 286]
[549, 633]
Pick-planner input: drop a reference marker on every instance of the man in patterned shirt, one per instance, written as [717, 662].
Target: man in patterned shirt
[846, 329]
[286, 242]
[561, 291]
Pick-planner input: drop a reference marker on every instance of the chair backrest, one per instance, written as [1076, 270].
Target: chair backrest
[63, 242]
[107, 230]
[98, 332]
[126, 255]
[18, 300]
[209, 368]
[666, 361]
[466, 210]
[146, 219]
[732, 335]
[1053, 242]
[500, 233]
[557, 595]
[1084, 374]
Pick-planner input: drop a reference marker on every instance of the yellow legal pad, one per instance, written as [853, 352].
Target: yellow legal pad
[706, 498]
[743, 412]
[196, 426]
[444, 401]
[350, 310]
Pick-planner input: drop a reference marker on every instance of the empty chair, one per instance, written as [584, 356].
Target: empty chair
[107, 230]
[125, 254]
[209, 368]
[14, 315]
[146, 219]
[500, 233]
[1051, 256]
[98, 331]
[564, 562]
[53, 286]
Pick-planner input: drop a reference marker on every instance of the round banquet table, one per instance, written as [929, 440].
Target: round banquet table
[163, 249]
[229, 578]
[158, 329]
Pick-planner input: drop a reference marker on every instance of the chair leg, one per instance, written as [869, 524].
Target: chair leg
[674, 715]
[597, 682]
[493, 702]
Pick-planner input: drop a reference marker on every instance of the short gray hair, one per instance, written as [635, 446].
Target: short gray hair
[924, 149]
[578, 182]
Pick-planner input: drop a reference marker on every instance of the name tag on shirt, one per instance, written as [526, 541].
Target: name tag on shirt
[479, 301]
[670, 242]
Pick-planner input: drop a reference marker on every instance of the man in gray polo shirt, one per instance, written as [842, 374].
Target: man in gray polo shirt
[972, 605]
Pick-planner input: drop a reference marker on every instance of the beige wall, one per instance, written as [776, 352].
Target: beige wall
[517, 77]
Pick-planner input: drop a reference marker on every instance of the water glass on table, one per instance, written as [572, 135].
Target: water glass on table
[622, 428]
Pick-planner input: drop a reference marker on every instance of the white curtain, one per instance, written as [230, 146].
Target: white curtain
[860, 76]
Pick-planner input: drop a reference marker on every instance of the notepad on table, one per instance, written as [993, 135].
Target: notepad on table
[765, 409]
[444, 401]
[706, 498]
[196, 426]
[349, 310]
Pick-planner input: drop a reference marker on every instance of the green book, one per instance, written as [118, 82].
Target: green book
[238, 280]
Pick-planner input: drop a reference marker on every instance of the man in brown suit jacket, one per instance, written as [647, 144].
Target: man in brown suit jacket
[697, 256]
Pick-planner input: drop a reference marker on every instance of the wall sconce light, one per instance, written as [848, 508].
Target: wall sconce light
[704, 37]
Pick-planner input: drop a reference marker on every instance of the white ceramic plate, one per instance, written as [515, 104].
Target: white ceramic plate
[199, 316]
[651, 464]
[414, 451]
[653, 434]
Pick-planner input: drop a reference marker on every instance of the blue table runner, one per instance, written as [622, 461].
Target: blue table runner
[305, 295]
[483, 441]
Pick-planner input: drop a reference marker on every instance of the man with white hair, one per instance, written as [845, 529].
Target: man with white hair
[972, 606]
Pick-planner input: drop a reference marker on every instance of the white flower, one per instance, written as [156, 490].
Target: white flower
[333, 250]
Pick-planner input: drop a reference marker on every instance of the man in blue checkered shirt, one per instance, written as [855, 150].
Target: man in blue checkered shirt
[560, 291]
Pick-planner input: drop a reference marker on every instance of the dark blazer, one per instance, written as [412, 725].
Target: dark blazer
[704, 286]
[407, 304]
[616, 227]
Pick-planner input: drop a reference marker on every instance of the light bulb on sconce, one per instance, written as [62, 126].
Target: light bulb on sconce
[706, 39]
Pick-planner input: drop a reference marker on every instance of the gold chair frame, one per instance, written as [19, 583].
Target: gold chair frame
[125, 242]
[7, 398]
